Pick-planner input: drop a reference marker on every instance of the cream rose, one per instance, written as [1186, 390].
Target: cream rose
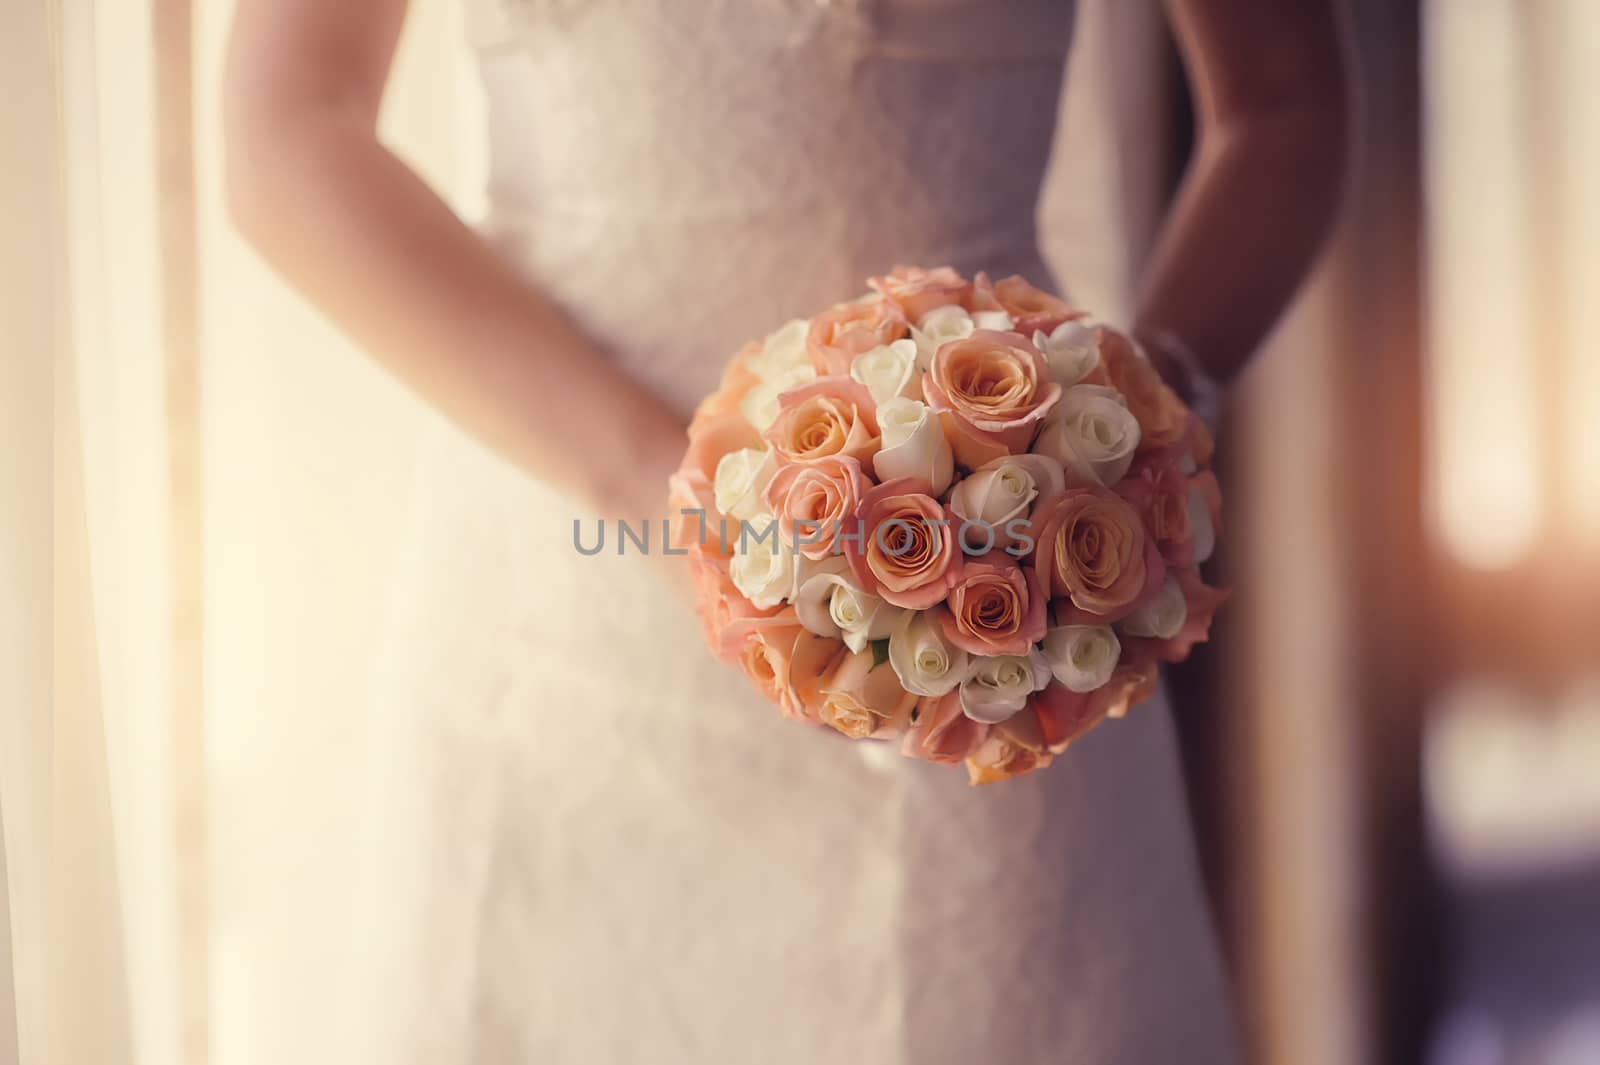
[829, 603]
[996, 688]
[926, 663]
[937, 328]
[1072, 351]
[1161, 616]
[764, 574]
[914, 445]
[1001, 491]
[1092, 434]
[783, 351]
[760, 405]
[1082, 657]
[999, 321]
[741, 479]
[889, 371]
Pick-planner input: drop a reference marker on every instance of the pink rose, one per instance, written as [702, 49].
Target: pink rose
[814, 500]
[1160, 493]
[838, 335]
[1031, 308]
[1091, 547]
[996, 608]
[830, 416]
[940, 731]
[903, 547]
[991, 391]
[917, 291]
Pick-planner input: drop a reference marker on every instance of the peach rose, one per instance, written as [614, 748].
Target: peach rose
[862, 698]
[813, 501]
[838, 335]
[1000, 757]
[762, 645]
[1201, 601]
[1163, 419]
[917, 291]
[995, 609]
[939, 731]
[1091, 547]
[903, 547]
[991, 391]
[830, 416]
[1160, 493]
[787, 664]
[737, 380]
[1031, 308]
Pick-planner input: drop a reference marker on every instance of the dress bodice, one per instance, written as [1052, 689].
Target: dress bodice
[685, 174]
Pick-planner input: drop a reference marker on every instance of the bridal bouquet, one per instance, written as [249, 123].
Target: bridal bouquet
[955, 513]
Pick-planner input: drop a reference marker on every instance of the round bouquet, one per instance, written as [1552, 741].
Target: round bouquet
[954, 513]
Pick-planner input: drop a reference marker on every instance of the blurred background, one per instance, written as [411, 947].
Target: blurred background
[1393, 744]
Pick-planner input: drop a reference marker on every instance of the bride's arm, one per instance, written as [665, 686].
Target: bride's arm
[355, 230]
[1264, 184]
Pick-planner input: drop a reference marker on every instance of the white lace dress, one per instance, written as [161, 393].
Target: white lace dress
[599, 844]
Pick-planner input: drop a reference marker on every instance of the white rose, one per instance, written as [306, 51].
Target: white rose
[998, 321]
[913, 445]
[762, 571]
[742, 476]
[760, 405]
[1082, 657]
[924, 662]
[1162, 616]
[1072, 350]
[939, 327]
[1002, 490]
[1200, 526]
[828, 603]
[889, 370]
[784, 350]
[998, 687]
[1092, 434]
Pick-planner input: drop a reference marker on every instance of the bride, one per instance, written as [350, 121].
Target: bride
[600, 846]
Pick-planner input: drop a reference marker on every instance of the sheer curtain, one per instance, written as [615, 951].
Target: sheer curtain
[308, 452]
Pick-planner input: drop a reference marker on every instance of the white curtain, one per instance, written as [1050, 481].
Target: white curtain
[307, 455]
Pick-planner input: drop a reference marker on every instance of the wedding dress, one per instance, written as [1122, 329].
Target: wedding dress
[599, 844]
